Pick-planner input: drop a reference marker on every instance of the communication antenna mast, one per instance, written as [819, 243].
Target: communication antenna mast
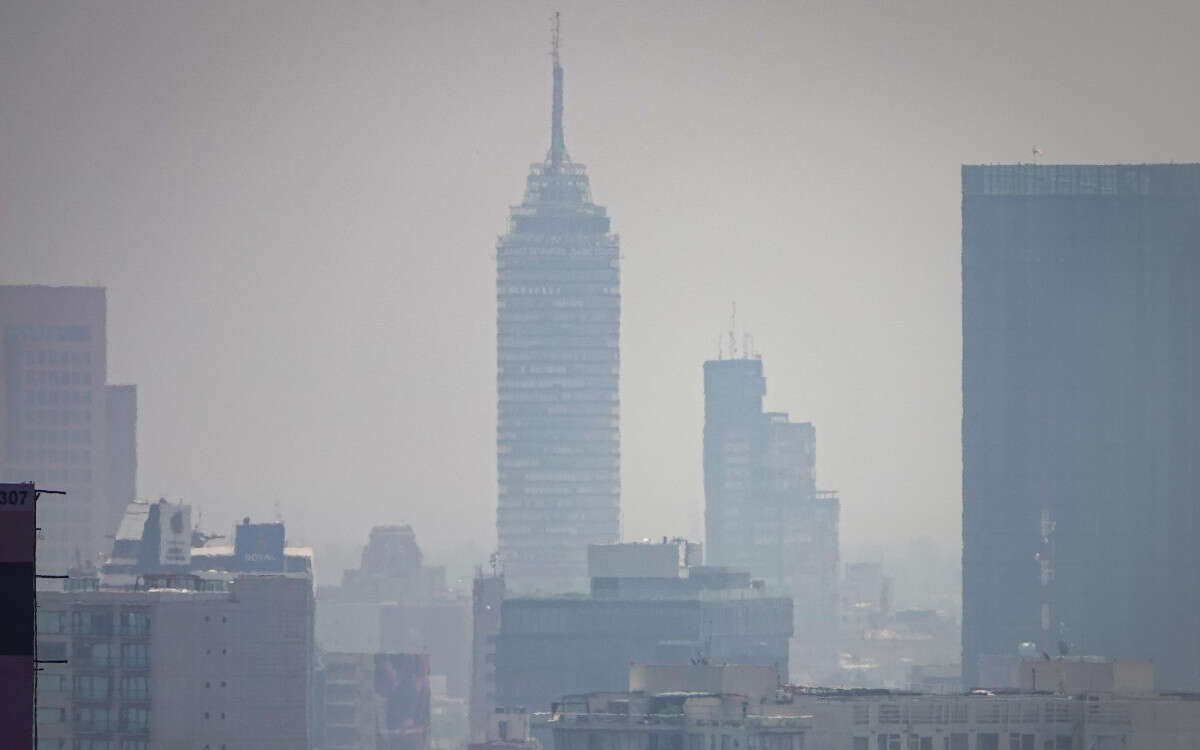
[554, 37]
[1045, 558]
[732, 326]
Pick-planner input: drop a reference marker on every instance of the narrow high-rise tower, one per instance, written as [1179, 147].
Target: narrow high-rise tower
[762, 510]
[558, 305]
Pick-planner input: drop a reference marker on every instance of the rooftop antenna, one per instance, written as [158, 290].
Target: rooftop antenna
[558, 148]
[732, 325]
[1045, 558]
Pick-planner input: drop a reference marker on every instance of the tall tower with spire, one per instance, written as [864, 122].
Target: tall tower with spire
[558, 304]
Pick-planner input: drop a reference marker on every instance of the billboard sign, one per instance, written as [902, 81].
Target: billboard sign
[258, 547]
[402, 700]
[174, 535]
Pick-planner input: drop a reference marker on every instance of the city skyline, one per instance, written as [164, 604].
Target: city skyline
[235, 180]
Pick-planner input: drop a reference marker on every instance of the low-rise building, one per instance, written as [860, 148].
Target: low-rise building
[555, 646]
[190, 650]
[691, 715]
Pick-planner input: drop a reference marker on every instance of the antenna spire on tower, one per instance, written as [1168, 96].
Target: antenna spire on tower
[558, 148]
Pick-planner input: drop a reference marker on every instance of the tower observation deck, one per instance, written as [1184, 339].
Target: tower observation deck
[558, 305]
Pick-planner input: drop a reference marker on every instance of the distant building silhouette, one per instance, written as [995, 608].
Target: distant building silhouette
[120, 423]
[762, 511]
[558, 303]
[487, 596]
[393, 603]
[651, 607]
[1081, 397]
[53, 417]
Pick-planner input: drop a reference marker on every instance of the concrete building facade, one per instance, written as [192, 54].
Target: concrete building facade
[1081, 400]
[52, 415]
[709, 707]
[558, 306]
[170, 669]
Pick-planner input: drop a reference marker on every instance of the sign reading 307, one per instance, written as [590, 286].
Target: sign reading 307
[17, 497]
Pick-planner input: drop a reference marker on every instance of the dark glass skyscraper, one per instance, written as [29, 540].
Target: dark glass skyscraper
[1081, 398]
[558, 302]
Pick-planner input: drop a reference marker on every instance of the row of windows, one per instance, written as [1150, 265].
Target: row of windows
[94, 622]
[548, 355]
[56, 357]
[557, 342]
[45, 397]
[45, 476]
[551, 291]
[572, 463]
[56, 437]
[573, 370]
[961, 741]
[561, 445]
[57, 417]
[557, 489]
[82, 457]
[58, 377]
[93, 744]
[48, 333]
[105, 655]
[556, 394]
[543, 303]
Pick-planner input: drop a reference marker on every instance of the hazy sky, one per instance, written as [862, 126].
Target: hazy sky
[294, 206]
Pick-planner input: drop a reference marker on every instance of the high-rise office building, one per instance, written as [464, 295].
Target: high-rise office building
[762, 510]
[558, 318]
[120, 422]
[1081, 401]
[52, 415]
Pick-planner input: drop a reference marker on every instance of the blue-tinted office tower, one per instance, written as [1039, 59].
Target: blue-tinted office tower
[1081, 397]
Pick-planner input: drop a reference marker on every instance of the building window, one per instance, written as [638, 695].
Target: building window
[135, 688]
[135, 623]
[135, 656]
[51, 622]
[49, 715]
[90, 688]
[135, 719]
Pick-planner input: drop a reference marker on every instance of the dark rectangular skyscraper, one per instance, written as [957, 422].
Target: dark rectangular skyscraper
[1081, 369]
[558, 302]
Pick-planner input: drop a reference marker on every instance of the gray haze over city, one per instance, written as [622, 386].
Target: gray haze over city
[294, 208]
[599, 376]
